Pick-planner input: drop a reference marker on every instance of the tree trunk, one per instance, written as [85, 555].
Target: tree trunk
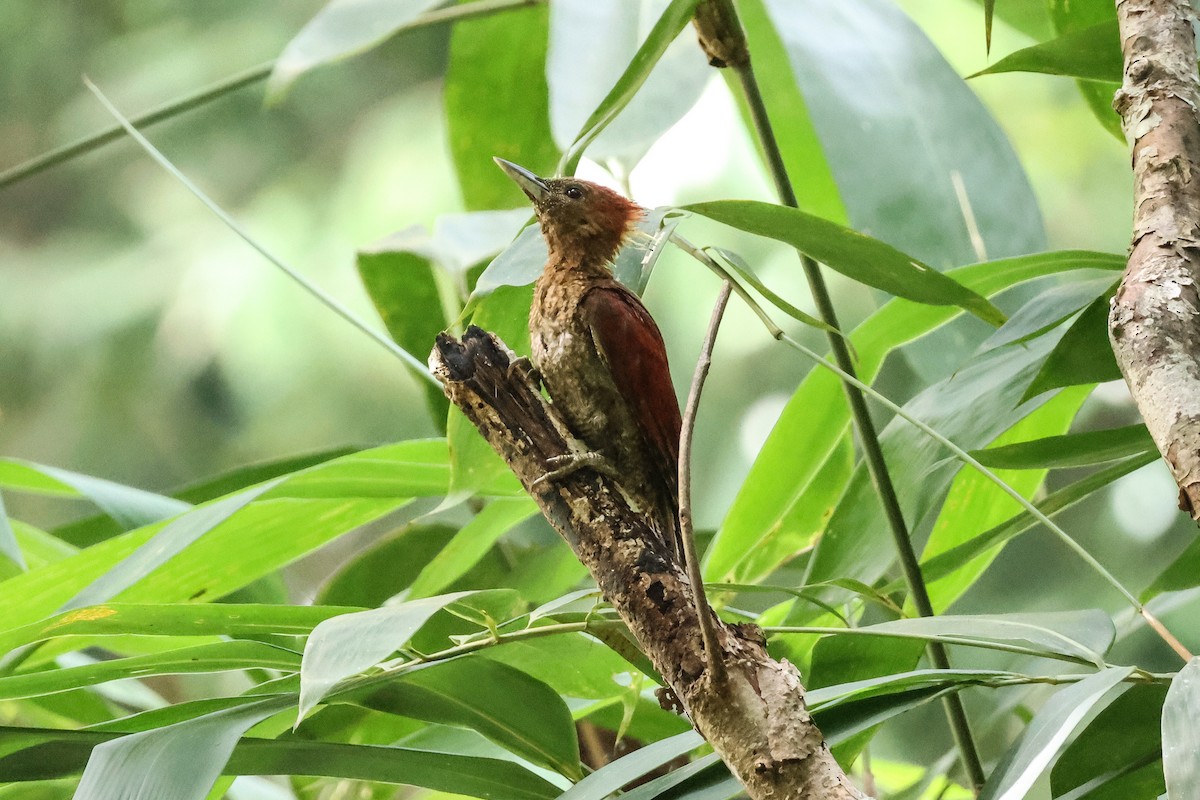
[754, 715]
[1154, 324]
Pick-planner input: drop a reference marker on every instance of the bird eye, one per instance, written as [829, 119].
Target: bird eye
[574, 192]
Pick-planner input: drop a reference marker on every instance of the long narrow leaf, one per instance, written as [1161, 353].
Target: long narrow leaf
[43, 754]
[1180, 736]
[673, 20]
[1070, 450]
[853, 254]
[129, 507]
[613, 776]
[1092, 53]
[215, 657]
[341, 29]
[348, 644]
[1047, 734]
[179, 762]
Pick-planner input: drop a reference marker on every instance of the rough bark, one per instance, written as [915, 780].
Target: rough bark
[755, 716]
[1154, 324]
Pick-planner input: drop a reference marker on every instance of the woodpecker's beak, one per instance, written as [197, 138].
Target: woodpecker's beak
[530, 184]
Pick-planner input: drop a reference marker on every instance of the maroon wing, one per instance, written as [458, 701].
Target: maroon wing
[631, 343]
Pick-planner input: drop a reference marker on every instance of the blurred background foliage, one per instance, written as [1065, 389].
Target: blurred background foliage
[144, 343]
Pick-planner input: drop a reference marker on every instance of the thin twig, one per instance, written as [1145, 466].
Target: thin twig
[226, 86]
[867, 434]
[686, 530]
[418, 367]
[1156, 624]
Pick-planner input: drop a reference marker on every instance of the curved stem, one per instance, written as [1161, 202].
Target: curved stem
[223, 87]
[686, 530]
[867, 434]
[418, 367]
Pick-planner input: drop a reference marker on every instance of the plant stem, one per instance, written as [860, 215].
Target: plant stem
[867, 434]
[419, 368]
[687, 532]
[223, 87]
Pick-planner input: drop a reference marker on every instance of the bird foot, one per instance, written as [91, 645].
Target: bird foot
[566, 465]
[524, 369]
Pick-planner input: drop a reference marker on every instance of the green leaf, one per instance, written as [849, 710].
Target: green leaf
[56, 753]
[165, 545]
[1073, 634]
[346, 645]
[573, 664]
[1070, 450]
[301, 514]
[215, 657]
[813, 182]
[1071, 16]
[1092, 53]
[741, 268]
[1046, 735]
[880, 93]
[989, 9]
[129, 507]
[943, 564]
[816, 418]
[1183, 573]
[971, 407]
[221, 619]
[341, 29]
[1083, 354]
[1180, 739]
[843, 722]
[509, 707]
[1046, 310]
[178, 762]
[496, 103]
[613, 776]
[1120, 751]
[9, 548]
[660, 785]
[378, 572]
[674, 19]
[975, 504]
[839, 694]
[578, 85]
[851, 253]
[404, 289]
[471, 543]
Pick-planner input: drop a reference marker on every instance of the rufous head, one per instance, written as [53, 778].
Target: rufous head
[583, 222]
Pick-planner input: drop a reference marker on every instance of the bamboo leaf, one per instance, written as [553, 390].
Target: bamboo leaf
[851, 253]
[673, 20]
[339, 30]
[509, 707]
[613, 776]
[816, 419]
[471, 542]
[1047, 734]
[43, 754]
[1180, 738]
[129, 507]
[204, 658]
[350, 643]
[495, 96]
[1070, 450]
[1092, 53]
[178, 762]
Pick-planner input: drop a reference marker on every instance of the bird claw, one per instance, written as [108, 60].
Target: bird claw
[573, 462]
[524, 369]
